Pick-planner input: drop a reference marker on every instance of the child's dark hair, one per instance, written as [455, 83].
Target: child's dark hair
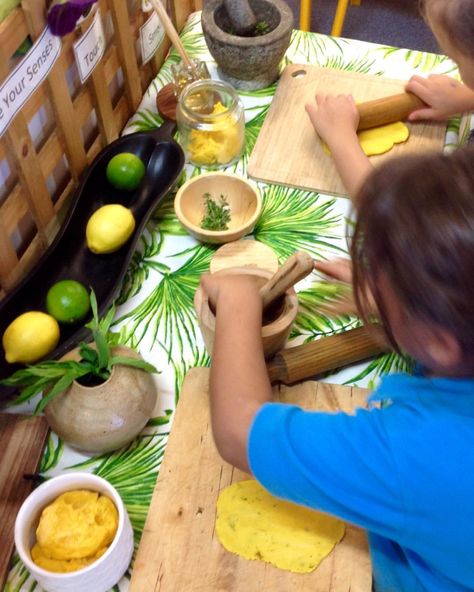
[415, 224]
[457, 19]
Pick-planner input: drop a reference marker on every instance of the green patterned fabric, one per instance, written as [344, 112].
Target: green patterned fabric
[155, 308]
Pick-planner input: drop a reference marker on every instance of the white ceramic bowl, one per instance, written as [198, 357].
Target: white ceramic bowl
[101, 575]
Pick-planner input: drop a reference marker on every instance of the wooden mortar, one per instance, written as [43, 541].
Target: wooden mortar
[279, 301]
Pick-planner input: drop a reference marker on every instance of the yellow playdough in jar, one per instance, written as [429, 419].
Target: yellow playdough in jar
[74, 531]
[217, 146]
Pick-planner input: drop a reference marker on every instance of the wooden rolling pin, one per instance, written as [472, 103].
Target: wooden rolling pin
[388, 109]
[294, 269]
[328, 353]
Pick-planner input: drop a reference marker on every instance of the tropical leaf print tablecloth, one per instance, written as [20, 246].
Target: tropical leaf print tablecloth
[155, 308]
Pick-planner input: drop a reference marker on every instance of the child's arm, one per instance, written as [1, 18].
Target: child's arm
[335, 119]
[444, 95]
[340, 270]
[239, 383]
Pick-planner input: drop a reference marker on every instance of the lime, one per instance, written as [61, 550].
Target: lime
[67, 301]
[109, 228]
[30, 337]
[125, 171]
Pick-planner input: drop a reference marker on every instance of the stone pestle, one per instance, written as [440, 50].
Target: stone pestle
[241, 16]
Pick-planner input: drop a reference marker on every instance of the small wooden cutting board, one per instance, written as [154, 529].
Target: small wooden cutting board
[22, 441]
[288, 151]
[179, 551]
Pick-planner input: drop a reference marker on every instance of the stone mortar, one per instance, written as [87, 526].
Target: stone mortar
[248, 62]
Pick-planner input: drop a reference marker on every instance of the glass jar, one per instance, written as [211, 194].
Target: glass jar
[184, 75]
[211, 124]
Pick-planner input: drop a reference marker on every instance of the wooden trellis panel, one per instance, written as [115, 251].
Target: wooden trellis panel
[63, 125]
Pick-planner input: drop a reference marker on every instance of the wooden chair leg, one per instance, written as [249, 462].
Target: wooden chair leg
[305, 15]
[339, 17]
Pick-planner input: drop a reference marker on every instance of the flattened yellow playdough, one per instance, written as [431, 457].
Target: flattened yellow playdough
[378, 140]
[254, 524]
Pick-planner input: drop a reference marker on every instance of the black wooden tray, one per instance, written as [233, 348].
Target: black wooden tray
[68, 257]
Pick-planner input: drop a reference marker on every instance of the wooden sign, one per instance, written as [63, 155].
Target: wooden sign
[27, 76]
[90, 48]
[151, 35]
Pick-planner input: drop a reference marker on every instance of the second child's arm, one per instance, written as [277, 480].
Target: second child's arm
[335, 119]
[239, 383]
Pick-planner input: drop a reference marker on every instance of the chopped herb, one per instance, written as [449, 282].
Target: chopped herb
[217, 215]
[262, 28]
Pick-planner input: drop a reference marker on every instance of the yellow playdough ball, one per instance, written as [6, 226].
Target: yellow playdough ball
[109, 228]
[29, 337]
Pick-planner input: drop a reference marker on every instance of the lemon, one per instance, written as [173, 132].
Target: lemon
[30, 336]
[109, 228]
[67, 301]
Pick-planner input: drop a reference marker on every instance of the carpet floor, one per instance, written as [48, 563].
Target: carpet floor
[389, 22]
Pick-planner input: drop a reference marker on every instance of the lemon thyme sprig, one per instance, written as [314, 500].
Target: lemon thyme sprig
[217, 214]
[95, 364]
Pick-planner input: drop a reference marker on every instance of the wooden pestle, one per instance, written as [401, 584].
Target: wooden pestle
[294, 269]
[387, 109]
[328, 353]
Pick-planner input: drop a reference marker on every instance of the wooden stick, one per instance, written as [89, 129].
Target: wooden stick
[387, 109]
[295, 268]
[172, 32]
[328, 353]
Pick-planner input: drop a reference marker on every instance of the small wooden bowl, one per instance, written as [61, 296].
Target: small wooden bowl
[242, 196]
[278, 319]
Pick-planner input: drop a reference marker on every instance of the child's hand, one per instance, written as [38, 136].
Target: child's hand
[444, 95]
[338, 269]
[223, 289]
[335, 118]
[341, 271]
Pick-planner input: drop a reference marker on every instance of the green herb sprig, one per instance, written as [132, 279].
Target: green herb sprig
[217, 214]
[53, 377]
[262, 28]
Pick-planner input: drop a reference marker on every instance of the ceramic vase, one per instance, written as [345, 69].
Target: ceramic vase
[107, 416]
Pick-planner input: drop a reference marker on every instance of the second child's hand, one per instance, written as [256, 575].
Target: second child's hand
[340, 270]
[444, 96]
[335, 119]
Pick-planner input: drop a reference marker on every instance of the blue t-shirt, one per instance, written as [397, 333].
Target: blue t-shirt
[404, 472]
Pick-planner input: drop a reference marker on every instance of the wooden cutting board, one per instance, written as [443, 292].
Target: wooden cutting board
[288, 150]
[179, 551]
[22, 441]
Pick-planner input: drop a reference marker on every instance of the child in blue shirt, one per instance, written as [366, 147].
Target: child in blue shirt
[405, 470]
